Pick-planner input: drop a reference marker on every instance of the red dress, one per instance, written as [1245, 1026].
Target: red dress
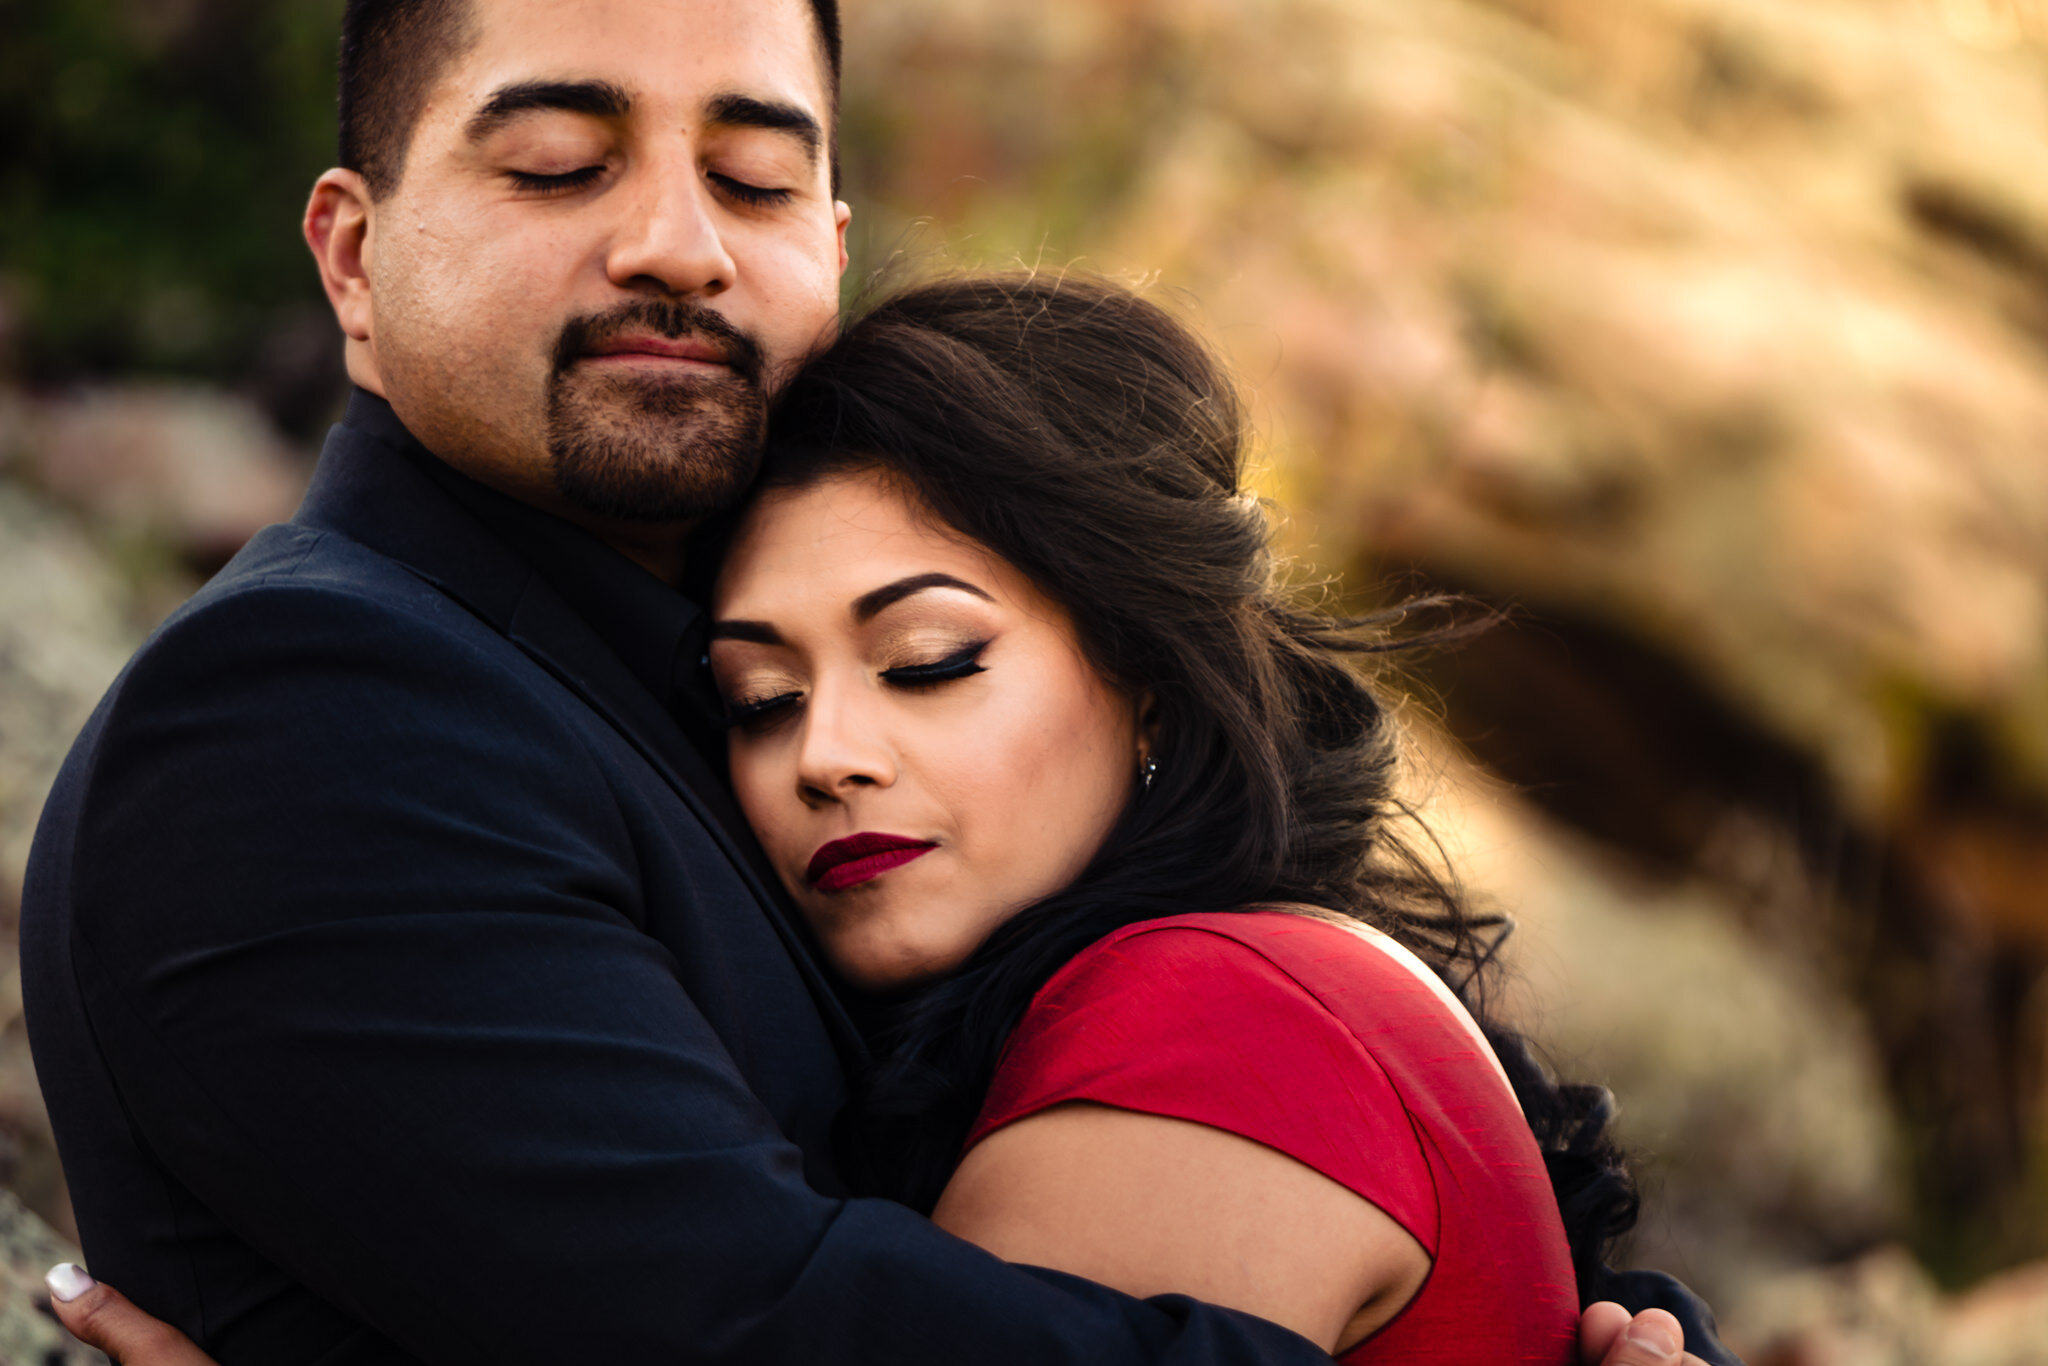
[1307, 1037]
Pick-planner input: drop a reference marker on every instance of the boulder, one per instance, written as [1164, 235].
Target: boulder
[1882, 1310]
[67, 625]
[189, 469]
[1751, 1103]
[28, 1335]
[1597, 306]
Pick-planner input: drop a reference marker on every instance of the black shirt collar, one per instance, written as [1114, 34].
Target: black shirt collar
[656, 632]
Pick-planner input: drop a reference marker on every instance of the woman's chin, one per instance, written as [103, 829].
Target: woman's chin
[889, 969]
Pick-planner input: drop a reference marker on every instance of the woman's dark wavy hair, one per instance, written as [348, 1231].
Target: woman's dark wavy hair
[1092, 441]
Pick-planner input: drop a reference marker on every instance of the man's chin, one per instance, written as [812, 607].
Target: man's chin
[632, 391]
[666, 450]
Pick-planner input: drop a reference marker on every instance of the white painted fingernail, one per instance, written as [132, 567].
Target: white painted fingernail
[67, 1282]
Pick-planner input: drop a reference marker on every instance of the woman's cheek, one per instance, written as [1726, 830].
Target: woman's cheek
[1038, 791]
[765, 803]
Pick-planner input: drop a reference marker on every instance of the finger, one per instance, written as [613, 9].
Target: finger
[1600, 1326]
[101, 1316]
[1652, 1338]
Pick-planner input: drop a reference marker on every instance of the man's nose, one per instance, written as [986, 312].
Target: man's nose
[672, 239]
[843, 750]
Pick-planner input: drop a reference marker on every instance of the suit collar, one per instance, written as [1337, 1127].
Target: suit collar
[645, 622]
[369, 488]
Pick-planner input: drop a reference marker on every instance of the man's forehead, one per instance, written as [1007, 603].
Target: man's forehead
[658, 53]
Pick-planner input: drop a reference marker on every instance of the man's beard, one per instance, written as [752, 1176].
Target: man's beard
[653, 448]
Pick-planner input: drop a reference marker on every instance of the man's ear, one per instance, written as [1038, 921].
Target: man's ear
[337, 229]
[842, 214]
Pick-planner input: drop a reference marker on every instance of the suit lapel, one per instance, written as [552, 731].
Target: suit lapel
[370, 492]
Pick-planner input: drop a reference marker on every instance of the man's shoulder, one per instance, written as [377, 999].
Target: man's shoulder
[300, 570]
[306, 633]
[298, 601]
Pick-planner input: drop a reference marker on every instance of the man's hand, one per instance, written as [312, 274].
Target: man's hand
[1607, 1337]
[101, 1316]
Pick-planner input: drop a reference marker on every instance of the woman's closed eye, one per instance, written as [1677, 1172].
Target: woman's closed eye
[758, 711]
[964, 662]
[760, 707]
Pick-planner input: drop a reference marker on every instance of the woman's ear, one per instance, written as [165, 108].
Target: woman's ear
[1148, 724]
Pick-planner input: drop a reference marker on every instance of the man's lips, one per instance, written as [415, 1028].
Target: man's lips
[659, 349]
[857, 858]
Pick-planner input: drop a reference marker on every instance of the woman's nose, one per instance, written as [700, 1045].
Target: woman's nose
[843, 750]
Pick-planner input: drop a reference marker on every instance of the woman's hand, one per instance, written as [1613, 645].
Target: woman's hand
[101, 1316]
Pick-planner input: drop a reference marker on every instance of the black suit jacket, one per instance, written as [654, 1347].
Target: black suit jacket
[399, 994]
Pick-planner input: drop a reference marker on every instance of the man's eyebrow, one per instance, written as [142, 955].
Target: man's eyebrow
[745, 111]
[867, 605]
[757, 632]
[599, 99]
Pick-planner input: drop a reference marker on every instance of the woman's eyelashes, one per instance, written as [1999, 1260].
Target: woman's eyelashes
[745, 711]
[961, 663]
[763, 707]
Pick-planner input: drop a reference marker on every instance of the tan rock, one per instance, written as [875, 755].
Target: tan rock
[65, 631]
[194, 468]
[66, 628]
[2003, 1322]
[1881, 1310]
[1597, 304]
[1749, 1095]
[28, 1248]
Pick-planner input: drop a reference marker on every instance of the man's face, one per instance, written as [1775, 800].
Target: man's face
[614, 235]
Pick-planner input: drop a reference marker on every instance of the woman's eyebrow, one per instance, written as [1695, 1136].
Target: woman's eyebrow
[756, 632]
[889, 594]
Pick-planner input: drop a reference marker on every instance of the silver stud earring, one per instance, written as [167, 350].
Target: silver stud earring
[1148, 771]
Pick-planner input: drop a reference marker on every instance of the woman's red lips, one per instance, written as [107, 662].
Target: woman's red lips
[853, 860]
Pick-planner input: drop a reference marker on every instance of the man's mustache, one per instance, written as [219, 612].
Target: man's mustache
[673, 319]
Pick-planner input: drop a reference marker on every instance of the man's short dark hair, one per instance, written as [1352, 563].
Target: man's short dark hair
[392, 52]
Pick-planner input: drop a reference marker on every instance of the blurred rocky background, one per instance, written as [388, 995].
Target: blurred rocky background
[1710, 337]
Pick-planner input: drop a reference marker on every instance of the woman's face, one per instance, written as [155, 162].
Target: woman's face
[917, 739]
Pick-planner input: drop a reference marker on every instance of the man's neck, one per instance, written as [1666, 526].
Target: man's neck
[660, 548]
[661, 552]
